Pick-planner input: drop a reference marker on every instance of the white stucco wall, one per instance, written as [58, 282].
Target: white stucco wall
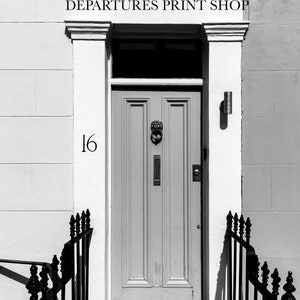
[36, 151]
[40, 146]
[271, 126]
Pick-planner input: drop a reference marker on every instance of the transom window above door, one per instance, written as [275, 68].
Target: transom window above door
[156, 58]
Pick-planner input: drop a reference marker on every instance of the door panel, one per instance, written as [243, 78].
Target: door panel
[175, 198]
[135, 200]
[155, 240]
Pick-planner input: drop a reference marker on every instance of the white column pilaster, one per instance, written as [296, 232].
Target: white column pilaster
[224, 41]
[90, 104]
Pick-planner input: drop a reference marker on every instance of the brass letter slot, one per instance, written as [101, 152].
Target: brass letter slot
[156, 171]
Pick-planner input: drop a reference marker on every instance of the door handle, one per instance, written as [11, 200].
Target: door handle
[156, 171]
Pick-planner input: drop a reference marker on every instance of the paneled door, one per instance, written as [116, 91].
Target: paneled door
[156, 195]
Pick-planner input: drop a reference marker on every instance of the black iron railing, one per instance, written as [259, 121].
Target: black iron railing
[243, 267]
[74, 266]
[50, 283]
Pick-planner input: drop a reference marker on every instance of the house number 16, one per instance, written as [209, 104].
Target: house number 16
[88, 145]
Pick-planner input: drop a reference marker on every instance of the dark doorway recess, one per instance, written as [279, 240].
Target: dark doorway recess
[156, 58]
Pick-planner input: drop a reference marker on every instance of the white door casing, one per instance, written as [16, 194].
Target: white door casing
[92, 178]
[224, 42]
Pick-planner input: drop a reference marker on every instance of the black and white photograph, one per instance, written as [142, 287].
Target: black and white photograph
[150, 149]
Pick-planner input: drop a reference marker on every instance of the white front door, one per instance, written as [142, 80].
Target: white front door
[155, 201]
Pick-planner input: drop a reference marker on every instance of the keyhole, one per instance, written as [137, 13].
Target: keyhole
[196, 172]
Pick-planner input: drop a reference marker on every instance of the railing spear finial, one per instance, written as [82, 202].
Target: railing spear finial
[265, 274]
[275, 282]
[229, 219]
[77, 224]
[242, 223]
[235, 223]
[83, 221]
[248, 230]
[72, 227]
[88, 220]
[289, 288]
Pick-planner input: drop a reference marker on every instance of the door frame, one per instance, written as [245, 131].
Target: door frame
[92, 115]
[152, 31]
[130, 84]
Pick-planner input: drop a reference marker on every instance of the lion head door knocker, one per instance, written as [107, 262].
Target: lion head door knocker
[156, 132]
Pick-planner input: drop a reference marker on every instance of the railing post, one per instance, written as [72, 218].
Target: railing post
[255, 267]
[44, 281]
[275, 283]
[265, 276]
[78, 261]
[63, 271]
[229, 230]
[241, 232]
[83, 255]
[88, 227]
[33, 284]
[289, 288]
[54, 273]
[72, 235]
[247, 235]
[235, 229]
